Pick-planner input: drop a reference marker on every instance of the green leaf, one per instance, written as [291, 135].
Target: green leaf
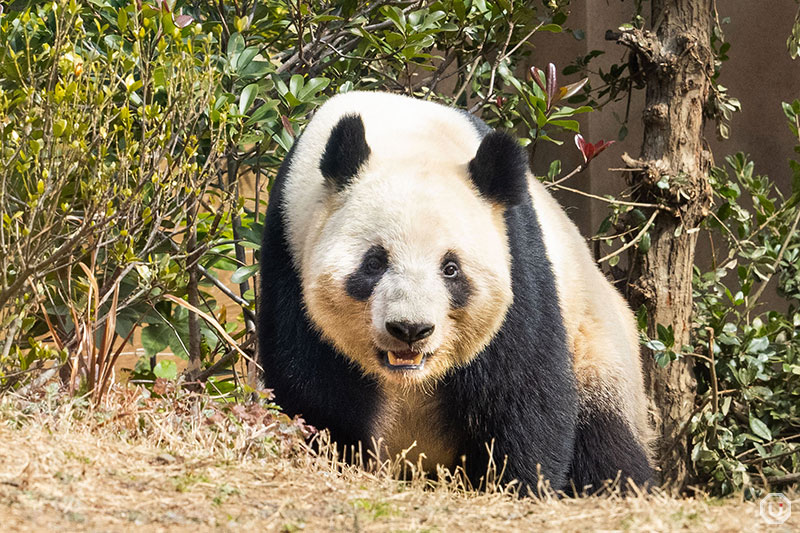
[566, 111]
[555, 169]
[544, 137]
[59, 126]
[216, 386]
[395, 14]
[787, 110]
[757, 345]
[554, 28]
[326, 18]
[155, 338]
[460, 9]
[760, 428]
[246, 57]
[249, 94]
[541, 118]
[235, 47]
[726, 405]
[663, 358]
[641, 317]
[166, 369]
[571, 125]
[295, 85]
[655, 345]
[122, 19]
[221, 101]
[644, 243]
[244, 273]
[179, 333]
[311, 88]
[665, 335]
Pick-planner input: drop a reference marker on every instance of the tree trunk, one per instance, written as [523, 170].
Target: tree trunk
[677, 64]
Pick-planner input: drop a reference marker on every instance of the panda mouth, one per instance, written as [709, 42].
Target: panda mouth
[403, 360]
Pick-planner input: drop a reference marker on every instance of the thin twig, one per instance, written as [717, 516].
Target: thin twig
[784, 480]
[577, 170]
[775, 441]
[227, 292]
[471, 74]
[633, 241]
[612, 200]
[771, 457]
[775, 264]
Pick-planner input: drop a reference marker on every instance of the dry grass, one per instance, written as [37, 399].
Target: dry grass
[185, 464]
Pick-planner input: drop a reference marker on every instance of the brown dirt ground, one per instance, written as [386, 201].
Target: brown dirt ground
[73, 475]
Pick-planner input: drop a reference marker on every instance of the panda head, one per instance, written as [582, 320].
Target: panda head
[407, 267]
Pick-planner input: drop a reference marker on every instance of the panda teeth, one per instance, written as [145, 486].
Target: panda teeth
[408, 358]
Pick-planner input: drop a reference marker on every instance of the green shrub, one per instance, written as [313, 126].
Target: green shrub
[747, 430]
[103, 115]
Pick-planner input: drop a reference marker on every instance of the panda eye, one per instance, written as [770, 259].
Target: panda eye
[450, 269]
[374, 265]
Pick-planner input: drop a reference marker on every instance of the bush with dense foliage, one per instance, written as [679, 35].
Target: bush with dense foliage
[747, 423]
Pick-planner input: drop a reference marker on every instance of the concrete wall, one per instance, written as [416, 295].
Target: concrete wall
[759, 73]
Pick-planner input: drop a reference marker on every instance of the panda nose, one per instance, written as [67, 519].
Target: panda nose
[408, 332]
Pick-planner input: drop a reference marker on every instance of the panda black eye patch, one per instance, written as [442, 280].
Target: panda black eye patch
[456, 282]
[360, 284]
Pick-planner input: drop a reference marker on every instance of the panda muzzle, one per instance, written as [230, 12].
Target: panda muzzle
[406, 358]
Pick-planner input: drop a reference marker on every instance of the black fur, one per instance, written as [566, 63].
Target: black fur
[499, 169]
[605, 448]
[518, 395]
[362, 282]
[459, 287]
[345, 152]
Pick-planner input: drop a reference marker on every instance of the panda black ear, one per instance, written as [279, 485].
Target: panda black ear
[345, 152]
[499, 169]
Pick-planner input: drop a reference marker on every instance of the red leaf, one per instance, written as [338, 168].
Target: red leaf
[287, 125]
[588, 153]
[589, 150]
[536, 74]
[581, 144]
[551, 84]
[602, 145]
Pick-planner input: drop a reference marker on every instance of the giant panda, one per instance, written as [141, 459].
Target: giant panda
[422, 291]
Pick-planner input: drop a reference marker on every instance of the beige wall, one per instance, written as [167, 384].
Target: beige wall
[759, 73]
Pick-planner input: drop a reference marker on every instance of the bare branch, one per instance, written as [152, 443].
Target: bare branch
[633, 241]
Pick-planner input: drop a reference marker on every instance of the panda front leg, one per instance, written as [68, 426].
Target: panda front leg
[513, 418]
